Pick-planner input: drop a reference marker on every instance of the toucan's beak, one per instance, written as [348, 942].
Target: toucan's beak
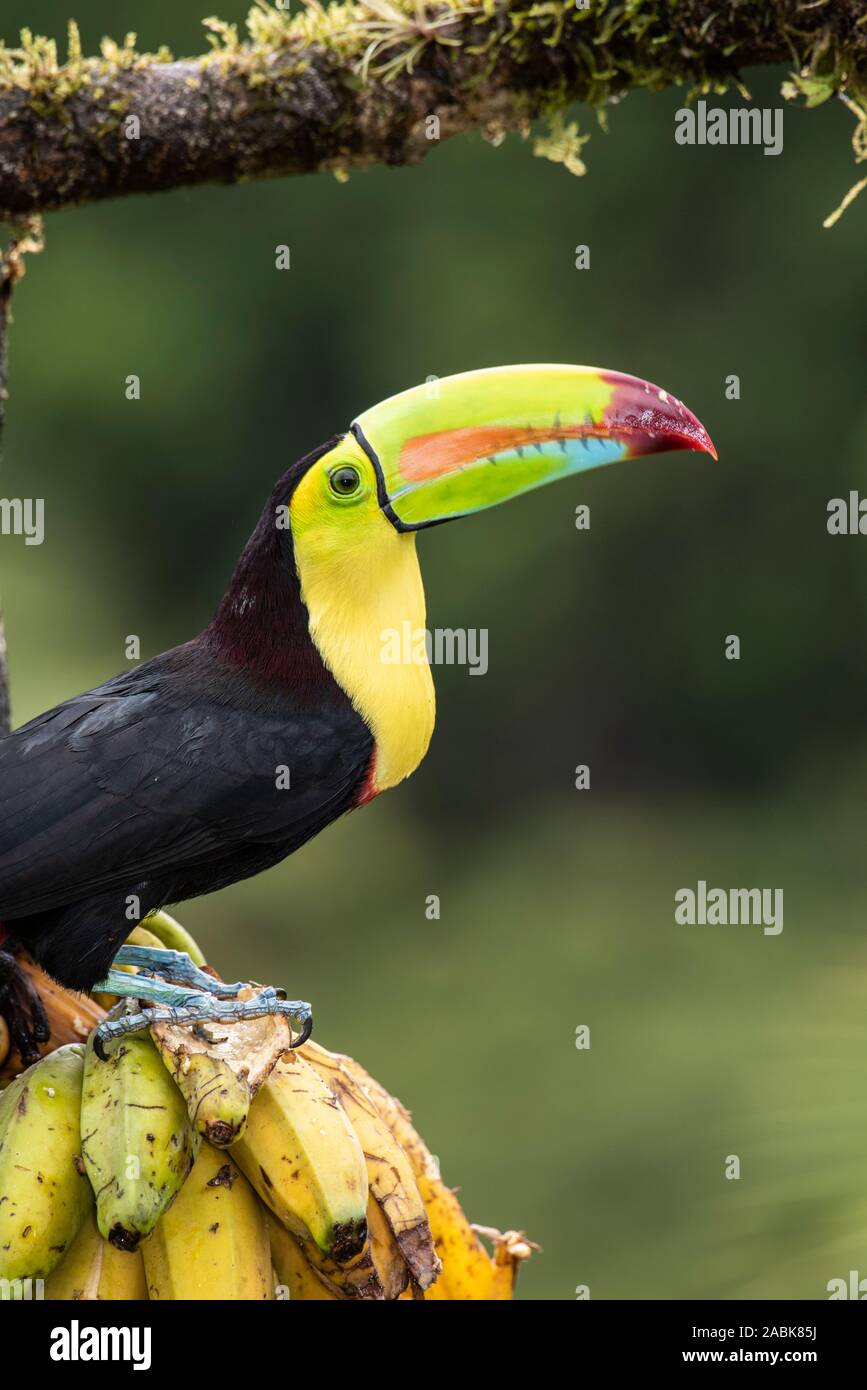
[457, 444]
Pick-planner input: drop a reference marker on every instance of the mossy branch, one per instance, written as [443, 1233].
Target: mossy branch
[357, 84]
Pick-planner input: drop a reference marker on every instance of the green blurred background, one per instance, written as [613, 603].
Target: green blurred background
[606, 648]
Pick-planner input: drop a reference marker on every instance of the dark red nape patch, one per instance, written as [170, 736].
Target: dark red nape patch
[262, 626]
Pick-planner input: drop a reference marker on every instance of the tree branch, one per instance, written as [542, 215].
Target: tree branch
[356, 85]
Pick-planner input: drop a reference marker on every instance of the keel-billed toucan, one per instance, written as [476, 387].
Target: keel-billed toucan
[165, 783]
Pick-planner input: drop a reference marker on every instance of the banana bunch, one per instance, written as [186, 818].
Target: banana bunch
[194, 1167]
[467, 1271]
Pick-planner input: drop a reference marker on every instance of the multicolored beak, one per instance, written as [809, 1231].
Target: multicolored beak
[458, 444]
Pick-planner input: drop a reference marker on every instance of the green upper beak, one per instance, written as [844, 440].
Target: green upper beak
[458, 444]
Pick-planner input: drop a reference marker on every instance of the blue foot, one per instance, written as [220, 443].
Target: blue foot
[172, 965]
[173, 1003]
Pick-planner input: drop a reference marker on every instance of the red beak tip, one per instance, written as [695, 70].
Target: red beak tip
[697, 437]
[646, 409]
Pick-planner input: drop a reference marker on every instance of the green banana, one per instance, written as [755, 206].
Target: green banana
[44, 1194]
[173, 936]
[136, 1139]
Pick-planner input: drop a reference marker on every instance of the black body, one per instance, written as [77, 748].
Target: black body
[162, 784]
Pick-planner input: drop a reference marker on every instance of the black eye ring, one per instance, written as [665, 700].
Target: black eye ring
[345, 480]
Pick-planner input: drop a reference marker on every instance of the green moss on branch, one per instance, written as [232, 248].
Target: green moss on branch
[356, 84]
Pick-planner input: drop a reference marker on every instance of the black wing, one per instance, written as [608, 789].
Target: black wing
[170, 767]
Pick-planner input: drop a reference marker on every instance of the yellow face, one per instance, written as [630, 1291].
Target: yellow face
[335, 511]
[360, 583]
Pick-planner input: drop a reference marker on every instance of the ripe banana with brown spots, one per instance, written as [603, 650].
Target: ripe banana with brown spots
[212, 1243]
[389, 1172]
[355, 1278]
[469, 1273]
[294, 1271]
[388, 1261]
[305, 1161]
[93, 1268]
[217, 1099]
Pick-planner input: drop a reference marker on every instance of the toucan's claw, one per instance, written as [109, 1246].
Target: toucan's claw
[175, 1004]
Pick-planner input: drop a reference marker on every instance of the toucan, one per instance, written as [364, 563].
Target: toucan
[217, 759]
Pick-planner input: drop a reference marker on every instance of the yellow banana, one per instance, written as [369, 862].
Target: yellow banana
[44, 1193]
[389, 1172]
[217, 1100]
[92, 1268]
[140, 936]
[219, 1072]
[304, 1160]
[294, 1270]
[355, 1278]
[385, 1252]
[136, 1139]
[467, 1269]
[212, 1244]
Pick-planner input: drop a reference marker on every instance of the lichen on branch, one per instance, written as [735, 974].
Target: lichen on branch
[381, 82]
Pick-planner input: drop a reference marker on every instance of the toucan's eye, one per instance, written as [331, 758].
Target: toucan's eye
[345, 480]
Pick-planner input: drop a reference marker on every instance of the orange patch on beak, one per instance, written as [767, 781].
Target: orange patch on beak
[432, 455]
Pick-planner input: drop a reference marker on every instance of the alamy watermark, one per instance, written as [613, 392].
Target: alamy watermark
[733, 125]
[27, 1290]
[853, 1287]
[77, 1343]
[444, 646]
[847, 516]
[23, 516]
[721, 907]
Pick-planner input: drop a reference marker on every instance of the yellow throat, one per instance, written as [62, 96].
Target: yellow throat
[362, 588]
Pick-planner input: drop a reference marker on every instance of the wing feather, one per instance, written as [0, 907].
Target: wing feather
[159, 771]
